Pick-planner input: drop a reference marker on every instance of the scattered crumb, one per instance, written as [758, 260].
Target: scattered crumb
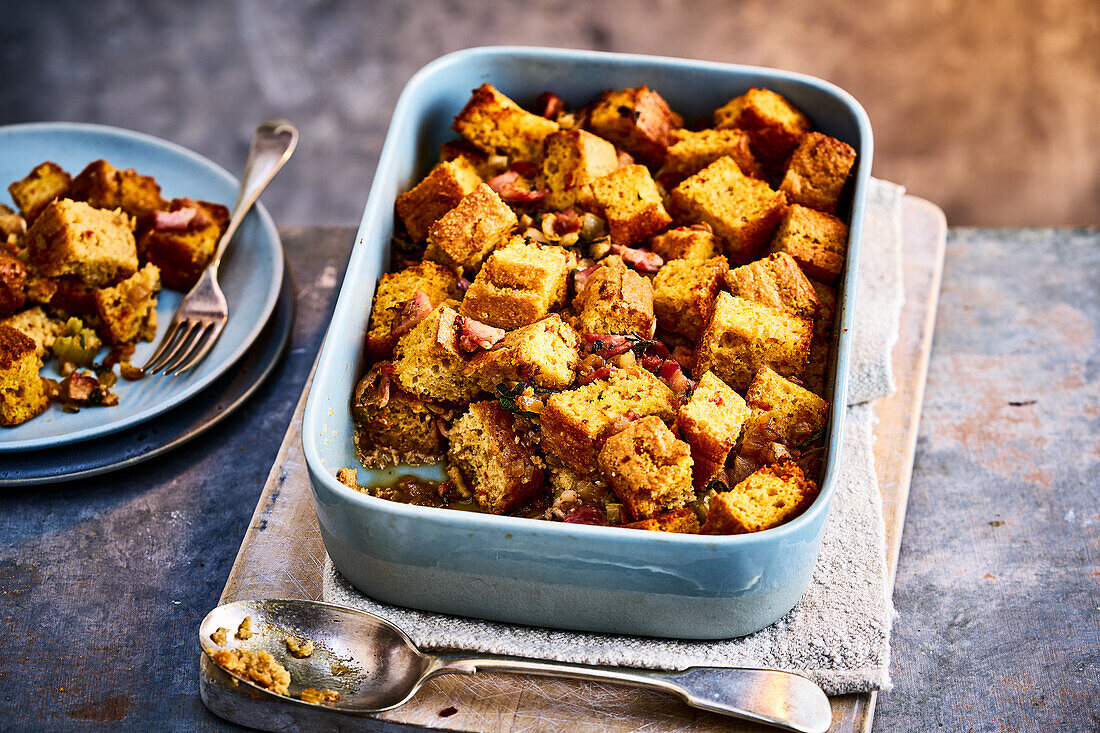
[448, 712]
[326, 695]
[258, 667]
[298, 648]
[996, 523]
[244, 631]
[219, 636]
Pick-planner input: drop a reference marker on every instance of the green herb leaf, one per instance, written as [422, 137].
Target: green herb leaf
[818, 435]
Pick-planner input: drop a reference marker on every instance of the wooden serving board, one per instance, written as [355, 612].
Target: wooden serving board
[282, 553]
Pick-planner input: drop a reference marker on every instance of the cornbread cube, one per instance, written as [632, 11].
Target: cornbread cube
[105, 187]
[473, 155]
[817, 241]
[818, 169]
[648, 468]
[402, 430]
[575, 423]
[630, 201]
[681, 521]
[695, 242]
[496, 124]
[22, 395]
[571, 161]
[519, 284]
[767, 498]
[503, 473]
[73, 238]
[32, 194]
[463, 236]
[638, 120]
[712, 419]
[778, 281]
[128, 311]
[36, 325]
[742, 211]
[684, 293]
[438, 193]
[691, 152]
[744, 336]
[818, 364]
[616, 300]
[427, 361]
[545, 353]
[795, 413]
[256, 666]
[774, 124]
[182, 251]
[394, 288]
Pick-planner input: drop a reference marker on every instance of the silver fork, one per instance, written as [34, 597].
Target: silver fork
[201, 316]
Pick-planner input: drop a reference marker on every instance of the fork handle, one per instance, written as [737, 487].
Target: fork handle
[272, 144]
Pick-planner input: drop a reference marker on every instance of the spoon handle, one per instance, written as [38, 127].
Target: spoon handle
[781, 699]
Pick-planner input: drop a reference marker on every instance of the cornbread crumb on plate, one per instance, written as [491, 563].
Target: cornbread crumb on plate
[299, 648]
[319, 697]
[244, 631]
[220, 636]
[256, 666]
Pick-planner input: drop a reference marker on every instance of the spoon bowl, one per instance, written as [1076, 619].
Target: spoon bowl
[375, 666]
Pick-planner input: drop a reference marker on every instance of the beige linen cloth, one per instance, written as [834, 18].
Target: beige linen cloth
[839, 633]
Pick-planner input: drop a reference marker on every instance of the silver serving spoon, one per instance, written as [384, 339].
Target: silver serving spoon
[375, 666]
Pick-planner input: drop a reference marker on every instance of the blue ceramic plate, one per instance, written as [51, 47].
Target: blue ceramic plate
[534, 572]
[251, 271]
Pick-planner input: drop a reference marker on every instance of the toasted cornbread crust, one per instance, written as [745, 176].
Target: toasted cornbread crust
[817, 241]
[774, 124]
[691, 152]
[742, 211]
[73, 238]
[544, 353]
[777, 281]
[630, 201]
[616, 300]
[767, 498]
[46, 183]
[22, 395]
[394, 288]
[496, 124]
[637, 120]
[573, 159]
[519, 284]
[503, 472]
[128, 311]
[183, 255]
[793, 412]
[684, 293]
[680, 521]
[696, 242]
[712, 419]
[817, 172]
[427, 361]
[438, 193]
[648, 468]
[465, 235]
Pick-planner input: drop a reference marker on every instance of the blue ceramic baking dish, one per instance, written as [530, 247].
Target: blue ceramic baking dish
[529, 571]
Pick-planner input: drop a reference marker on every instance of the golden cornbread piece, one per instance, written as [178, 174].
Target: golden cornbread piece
[503, 473]
[630, 201]
[774, 124]
[22, 395]
[46, 183]
[438, 193]
[74, 238]
[744, 336]
[691, 152]
[219, 636]
[128, 311]
[463, 236]
[684, 293]
[258, 667]
[244, 631]
[695, 242]
[39, 327]
[571, 161]
[401, 428]
[182, 252]
[712, 419]
[616, 300]
[519, 284]
[544, 353]
[681, 521]
[496, 124]
[575, 423]
[648, 468]
[795, 413]
[105, 187]
[817, 172]
[817, 241]
[818, 364]
[298, 648]
[767, 498]
[638, 120]
[394, 289]
[778, 281]
[427, 361]
[742, 211]
[13, 284]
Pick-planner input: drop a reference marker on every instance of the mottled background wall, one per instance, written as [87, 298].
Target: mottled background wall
[988, 108]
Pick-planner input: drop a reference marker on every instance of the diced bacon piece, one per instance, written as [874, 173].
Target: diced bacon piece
[410, 313]
[601, 373]
[566, 222]
[640, 259]
[506, 186]
[180, 220]
[549, 105]
[609, 345]
[673, 376]
[373, 389]
[586, 514]
[580, 277]
[476, 335]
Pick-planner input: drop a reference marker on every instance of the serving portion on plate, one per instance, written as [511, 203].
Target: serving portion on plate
[722, 336]
[95, 247]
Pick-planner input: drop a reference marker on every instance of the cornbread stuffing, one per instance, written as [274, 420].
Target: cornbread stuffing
[244, 631]
[298, 648]
[597, 316]
[256, 666]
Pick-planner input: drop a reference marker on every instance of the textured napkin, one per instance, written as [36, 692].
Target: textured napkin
[839, 632]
